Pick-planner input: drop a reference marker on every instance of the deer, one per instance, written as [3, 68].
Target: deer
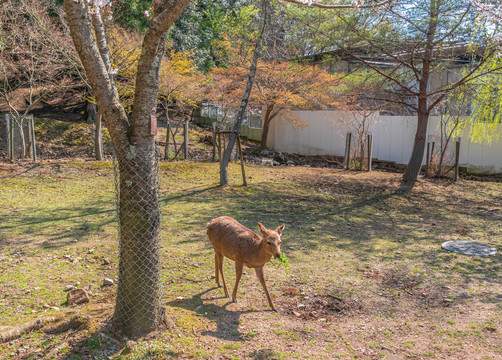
[238, 243]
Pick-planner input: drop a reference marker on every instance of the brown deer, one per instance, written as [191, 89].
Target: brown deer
[236, 242]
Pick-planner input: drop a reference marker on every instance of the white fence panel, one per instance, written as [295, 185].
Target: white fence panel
[324, 134]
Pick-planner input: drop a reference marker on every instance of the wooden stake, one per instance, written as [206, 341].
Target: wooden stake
[347, 150]
[168, 137]
[186, 139]
[214, 140]
[432, 154]
[457, 157]
[244, 182]
[219, 146]
[370, 151]
[427, 161]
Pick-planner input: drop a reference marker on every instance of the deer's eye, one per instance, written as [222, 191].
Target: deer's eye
[270, 243]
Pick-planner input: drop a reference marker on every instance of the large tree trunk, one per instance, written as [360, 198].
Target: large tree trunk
[138, 306]
[415, 164]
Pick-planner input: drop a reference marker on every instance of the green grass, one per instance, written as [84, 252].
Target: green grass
[370, 245]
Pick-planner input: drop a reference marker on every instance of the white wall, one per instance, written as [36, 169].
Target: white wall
[393, 136]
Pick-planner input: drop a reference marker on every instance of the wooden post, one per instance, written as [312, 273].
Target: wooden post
[10, 136]
[427, 160]
[431, 154]
[33, 139]
[98, 137]
[168, 137]
[30, 139]
[186, 139]
[457, 157]
[244, 182]
[219, 146]
[348, 141]
[214, 140]
[370, 151]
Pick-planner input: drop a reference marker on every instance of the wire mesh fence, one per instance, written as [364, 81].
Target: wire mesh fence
[139, 298]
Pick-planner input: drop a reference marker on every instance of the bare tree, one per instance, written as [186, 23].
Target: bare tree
[33, 65]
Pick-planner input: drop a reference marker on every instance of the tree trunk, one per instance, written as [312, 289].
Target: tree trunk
[242, 110]
[98, 139]
[138, 306]
[415, 164]
[264, 133]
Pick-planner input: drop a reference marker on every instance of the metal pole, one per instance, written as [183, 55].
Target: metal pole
[370, 151]
[244, 182]
[186, 139]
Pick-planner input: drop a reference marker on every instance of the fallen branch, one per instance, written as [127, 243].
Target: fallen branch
[17, 331]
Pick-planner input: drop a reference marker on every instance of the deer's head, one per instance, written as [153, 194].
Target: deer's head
[272, 239]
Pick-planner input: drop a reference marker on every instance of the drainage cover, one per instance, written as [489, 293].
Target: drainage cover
[468, 247]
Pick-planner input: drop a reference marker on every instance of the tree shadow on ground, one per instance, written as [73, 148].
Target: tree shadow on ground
[227, 322]
[57, 228]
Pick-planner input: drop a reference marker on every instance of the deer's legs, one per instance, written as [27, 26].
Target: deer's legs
[216, 270]
[238, 274]
[261, 277]
[220, 268]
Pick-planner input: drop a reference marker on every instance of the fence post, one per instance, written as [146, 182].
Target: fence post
[370, 151]
[348, 141]
[168, 136]
[10, 138]
[457, 157]
[431, 154]
[244, 182]
[214, 140]
[186, 139]
[427, 160]
[33, 140]
[219, 146]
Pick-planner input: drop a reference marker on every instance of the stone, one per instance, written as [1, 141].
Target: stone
[301, 306]
[312, 228]
[264, 152]
[106, 261]
[107, 282]
[69, 288]
[296, 313]
[77, 297]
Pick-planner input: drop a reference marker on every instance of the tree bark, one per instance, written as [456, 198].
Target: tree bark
[266, 127]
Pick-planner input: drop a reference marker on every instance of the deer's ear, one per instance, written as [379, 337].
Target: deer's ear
[263, 229]
[280, 229]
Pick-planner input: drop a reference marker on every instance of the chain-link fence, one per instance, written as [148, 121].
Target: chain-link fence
[139, 298]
